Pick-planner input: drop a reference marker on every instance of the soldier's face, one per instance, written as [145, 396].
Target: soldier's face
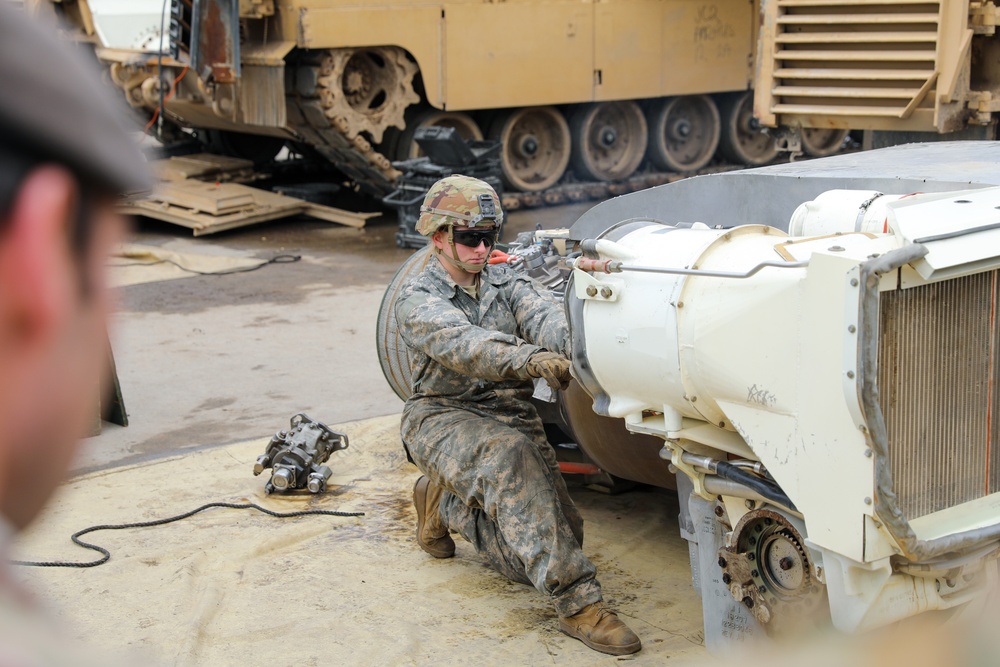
[470, 255]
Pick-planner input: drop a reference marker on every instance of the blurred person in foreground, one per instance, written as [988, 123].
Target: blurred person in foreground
[477, 335]
[64, 158]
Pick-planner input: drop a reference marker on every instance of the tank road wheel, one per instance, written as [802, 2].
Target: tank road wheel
[683, 132]
[367, 89]
[534, 147]
[609, 140]
[819, 142]
[742, 141]
[407, 148]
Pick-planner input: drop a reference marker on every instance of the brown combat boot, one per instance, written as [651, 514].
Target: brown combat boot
[599, 628]
[432, 535]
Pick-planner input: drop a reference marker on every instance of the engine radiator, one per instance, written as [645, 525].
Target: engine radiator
[939, 366]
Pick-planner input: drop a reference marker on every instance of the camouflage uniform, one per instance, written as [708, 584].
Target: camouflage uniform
[471, 429]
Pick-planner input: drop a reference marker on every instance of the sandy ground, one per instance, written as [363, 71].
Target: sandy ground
[236, 587]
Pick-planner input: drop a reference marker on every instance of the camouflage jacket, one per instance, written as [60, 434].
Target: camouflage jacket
[466, 351]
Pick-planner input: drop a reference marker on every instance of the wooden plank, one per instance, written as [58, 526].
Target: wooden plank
[199, 165]
[204, 223]
[338, 215]
[206, 208]
[212, 198]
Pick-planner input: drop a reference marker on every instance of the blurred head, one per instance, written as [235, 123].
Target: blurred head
[64, 159]
[463, 217]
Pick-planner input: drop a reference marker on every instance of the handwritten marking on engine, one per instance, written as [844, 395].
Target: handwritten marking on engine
[761, 396]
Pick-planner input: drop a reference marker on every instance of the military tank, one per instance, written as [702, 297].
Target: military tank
[574, 92]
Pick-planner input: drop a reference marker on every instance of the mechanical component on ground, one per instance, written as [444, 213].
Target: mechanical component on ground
[296, 456]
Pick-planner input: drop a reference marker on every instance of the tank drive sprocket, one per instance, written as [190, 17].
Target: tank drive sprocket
[369, 88]
[313, 116]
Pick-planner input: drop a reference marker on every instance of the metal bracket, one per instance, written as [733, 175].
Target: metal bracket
[590, 288]
[983, 17]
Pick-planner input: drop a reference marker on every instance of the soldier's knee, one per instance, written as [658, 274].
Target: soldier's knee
[521, 456]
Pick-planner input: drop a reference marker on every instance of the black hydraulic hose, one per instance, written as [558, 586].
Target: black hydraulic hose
[763, 487]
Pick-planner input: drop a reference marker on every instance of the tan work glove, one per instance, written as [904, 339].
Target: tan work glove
[551, 367]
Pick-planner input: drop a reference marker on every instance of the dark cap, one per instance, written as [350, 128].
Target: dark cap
[52, 102]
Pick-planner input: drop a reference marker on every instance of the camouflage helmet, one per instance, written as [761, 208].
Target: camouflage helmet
[459, 200]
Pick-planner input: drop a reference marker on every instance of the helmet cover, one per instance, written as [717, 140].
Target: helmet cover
[459, 201]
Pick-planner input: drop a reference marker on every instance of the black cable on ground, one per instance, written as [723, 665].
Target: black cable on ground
[159, 522]
[277, 259]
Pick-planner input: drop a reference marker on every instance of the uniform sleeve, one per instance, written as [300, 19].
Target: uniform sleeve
[440, 330]
[540, 318]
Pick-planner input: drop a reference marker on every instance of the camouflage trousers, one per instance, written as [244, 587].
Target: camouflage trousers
[505, 495]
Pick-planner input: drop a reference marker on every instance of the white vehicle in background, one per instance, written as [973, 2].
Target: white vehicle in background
[134, 25]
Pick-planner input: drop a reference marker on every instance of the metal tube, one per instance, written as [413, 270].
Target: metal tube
[704, 462]
[755, 466]
[710, 274]
[615, 266]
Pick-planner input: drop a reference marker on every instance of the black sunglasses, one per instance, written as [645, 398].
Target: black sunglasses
[471, 238]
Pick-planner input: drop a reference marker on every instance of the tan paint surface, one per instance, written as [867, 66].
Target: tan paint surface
[652, 48]
[481, 55]
[519, 54]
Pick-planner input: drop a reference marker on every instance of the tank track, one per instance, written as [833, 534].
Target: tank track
[572, 192]
[311, 116]
[332, 137]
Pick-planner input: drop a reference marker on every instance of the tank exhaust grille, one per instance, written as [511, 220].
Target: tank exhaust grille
[846, 60]
[938, 372]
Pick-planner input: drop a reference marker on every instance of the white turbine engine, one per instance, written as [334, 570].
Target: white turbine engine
[831, 402]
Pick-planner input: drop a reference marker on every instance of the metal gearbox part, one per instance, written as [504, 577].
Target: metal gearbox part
[768, 569]
[296, 456]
